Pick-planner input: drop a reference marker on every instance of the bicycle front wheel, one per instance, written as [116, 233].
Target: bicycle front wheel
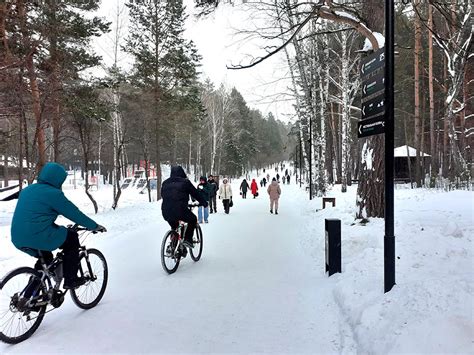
[20, 291]
[94, 269]
[170, 256]
[196, 252]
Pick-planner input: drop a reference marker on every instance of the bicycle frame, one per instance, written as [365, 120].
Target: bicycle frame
[54, 272]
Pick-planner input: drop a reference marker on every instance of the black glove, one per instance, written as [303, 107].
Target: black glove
[99, 228]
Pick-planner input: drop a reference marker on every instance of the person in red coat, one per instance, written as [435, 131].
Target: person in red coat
[254, 188]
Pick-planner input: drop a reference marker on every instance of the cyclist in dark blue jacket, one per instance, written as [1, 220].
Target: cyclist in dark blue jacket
[33, 226]
[175, 192]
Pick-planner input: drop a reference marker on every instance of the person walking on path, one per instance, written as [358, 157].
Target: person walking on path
[278, 178]
[264, 182]
[225, 194]
[268, 178]
[288, 179]
[254, 188]
[274, 192]
[204, 189]
[213, 193]
[244, 186]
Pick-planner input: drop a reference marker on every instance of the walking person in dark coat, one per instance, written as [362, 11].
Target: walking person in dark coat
[34, 228]
[213, 194]
[205, 189]
[244, 186]
[278, 177]
[175, 192]
[264, 182]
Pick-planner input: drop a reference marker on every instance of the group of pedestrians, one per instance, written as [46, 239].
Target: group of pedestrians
[244, 187]
[210, 191]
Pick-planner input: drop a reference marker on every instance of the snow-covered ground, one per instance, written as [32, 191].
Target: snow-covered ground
[260, 285]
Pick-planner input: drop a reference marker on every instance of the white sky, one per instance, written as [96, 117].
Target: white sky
[262, 86]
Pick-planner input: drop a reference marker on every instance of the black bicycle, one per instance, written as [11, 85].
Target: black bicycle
[26, 293]
[173, 248]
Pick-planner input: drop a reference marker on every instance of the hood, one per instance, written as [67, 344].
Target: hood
[178, 171]
[53, 174]
[275, 183]
[203, 178]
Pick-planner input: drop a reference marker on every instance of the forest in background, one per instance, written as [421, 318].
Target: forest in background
[162, 111]
[324, 42]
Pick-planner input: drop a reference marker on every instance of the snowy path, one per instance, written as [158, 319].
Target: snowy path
[254, 290]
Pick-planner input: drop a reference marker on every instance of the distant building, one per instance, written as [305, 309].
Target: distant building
[402, 155]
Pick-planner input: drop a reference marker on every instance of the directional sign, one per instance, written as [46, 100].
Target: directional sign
[372, 62]
[371, 126]
[373, 85]
[373, 107]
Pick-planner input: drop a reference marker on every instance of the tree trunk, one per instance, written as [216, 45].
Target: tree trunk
[433, 147]
[444, 164]
[86, 173]
[370, 190]
[35, 92]
[55, 84]
[410, 176]
[417, 97]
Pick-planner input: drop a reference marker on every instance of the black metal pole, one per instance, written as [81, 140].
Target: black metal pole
[310, 140]
[301, 177]
[389, 238]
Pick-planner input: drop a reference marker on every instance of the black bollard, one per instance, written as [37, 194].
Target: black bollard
[333, 245]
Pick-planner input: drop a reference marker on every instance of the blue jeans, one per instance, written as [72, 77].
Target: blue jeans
[206, 213]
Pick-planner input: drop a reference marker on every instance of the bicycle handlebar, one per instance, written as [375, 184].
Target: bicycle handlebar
[77, 228]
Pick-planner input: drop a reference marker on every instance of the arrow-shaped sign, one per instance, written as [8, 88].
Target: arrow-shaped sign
[373, 85]
[373, 107]
[372, 62]
[371, 126]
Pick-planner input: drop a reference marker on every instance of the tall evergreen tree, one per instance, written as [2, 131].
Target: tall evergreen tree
[165, 63]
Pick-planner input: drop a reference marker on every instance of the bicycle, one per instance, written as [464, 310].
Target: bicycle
[25, 293]
[173, 249]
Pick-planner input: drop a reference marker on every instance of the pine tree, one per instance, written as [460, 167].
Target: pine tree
[165, 63]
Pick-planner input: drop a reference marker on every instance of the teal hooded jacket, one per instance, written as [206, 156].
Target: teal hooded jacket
[38, 207]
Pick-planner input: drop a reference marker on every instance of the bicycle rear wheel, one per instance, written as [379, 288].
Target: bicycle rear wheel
[170, 257]
[94, 269]
[196, 252]
[20, 318]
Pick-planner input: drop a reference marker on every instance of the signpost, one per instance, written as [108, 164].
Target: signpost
[373, 95]
[389, 238]
[377, 72]
[371, 126]
[373, 107]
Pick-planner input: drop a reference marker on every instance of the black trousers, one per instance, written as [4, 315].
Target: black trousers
[226, 205]
[244, 194]
[191, 219]
[212, 204]
[70, 249]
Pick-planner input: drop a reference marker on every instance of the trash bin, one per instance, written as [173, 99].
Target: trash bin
[333, 245]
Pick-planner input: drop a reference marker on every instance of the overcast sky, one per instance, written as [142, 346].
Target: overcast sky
[263, 86]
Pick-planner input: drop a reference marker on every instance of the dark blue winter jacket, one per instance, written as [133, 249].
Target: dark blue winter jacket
[38, 207]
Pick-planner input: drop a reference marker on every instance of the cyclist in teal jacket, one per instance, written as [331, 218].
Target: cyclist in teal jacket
[33, 226]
